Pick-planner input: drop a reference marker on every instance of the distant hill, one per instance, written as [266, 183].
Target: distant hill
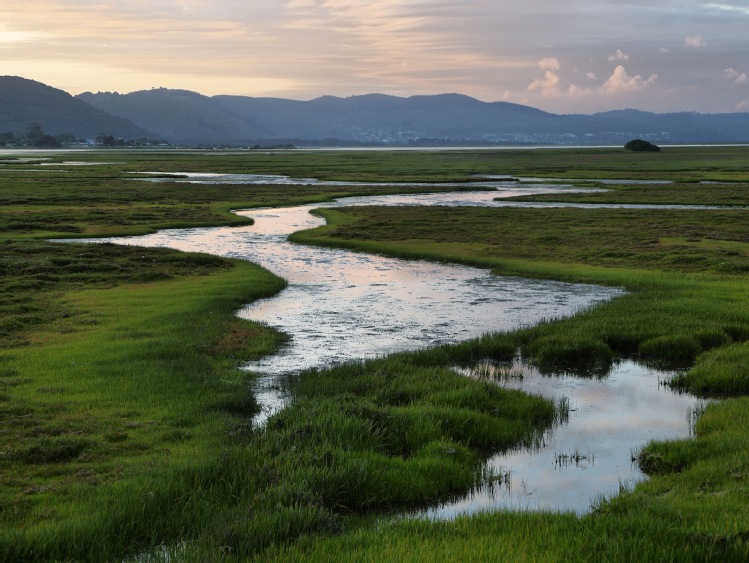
[178, 115]
[187, 117]
[381, 118]
[184, 117]
[23, 102]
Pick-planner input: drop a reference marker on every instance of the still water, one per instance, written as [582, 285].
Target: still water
[591, 455]
[341, 305]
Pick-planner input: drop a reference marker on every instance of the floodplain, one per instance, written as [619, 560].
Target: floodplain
[127, 425]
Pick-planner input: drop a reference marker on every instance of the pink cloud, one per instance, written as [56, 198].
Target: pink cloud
[735, 76]
[621, 81]
[548, 85]
[619, 55]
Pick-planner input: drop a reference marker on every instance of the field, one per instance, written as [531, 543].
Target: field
[126, 423]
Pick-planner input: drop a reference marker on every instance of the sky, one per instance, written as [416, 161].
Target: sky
[565, 56]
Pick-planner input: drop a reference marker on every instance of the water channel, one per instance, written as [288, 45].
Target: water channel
[341, 305]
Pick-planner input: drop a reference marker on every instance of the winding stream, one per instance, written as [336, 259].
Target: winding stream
[341, 305]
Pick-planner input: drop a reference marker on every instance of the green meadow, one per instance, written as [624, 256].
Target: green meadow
[127, 424]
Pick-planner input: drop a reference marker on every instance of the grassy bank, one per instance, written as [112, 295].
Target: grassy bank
[688, 302]
[126, 423]
[117, 393]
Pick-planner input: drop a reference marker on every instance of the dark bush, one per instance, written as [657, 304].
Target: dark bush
[638, 145]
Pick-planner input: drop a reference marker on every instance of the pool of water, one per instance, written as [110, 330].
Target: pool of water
[589, 456]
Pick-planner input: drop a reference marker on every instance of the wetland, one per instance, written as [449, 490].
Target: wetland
[122, 394]
[338, 306]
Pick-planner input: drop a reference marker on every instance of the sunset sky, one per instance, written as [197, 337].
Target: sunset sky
[562, 56]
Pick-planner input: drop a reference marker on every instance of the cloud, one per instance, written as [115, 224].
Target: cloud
[743, 106]
[735, 76]
[695, 42]
[621, 81]
[549, 83]
[619, 56]
[306, 48]
[8, 36]
[744, 10]
[549, 63]
[577, 92]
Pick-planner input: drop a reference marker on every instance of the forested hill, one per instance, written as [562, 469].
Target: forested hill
[23, 102]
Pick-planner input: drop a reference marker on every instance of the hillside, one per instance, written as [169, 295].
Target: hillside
[178, 115]
[187, 117]
[381, 118]
[23, 102]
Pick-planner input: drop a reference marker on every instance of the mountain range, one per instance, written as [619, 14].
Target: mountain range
[184, 117]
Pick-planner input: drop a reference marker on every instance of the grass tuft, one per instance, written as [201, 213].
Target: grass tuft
[555, 353]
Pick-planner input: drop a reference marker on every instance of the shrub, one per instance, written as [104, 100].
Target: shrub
[638, 145]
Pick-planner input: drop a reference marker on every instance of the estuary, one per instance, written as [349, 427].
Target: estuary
[343, 306]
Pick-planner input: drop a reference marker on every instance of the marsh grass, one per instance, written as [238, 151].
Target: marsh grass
[115, 408]
[520, 536]
[687, 301]
[611, 238]
[127, 424]
[127, 427]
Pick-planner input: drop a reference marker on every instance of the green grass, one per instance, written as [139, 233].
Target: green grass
[106, 198]
[127, 389]
[688, 301]
[152, 435]
[125, 423]
[679, 193]
[514, 537]
[662, 240]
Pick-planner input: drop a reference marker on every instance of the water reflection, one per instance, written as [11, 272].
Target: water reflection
[591, 454]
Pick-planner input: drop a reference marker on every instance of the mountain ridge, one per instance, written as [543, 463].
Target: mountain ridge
[383, 119]
[190, 118]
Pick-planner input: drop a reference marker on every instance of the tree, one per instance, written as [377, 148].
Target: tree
[66, 138]
[34, 133]
[638, 145]
[7, 138]
[106, 140]
[47, 141]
